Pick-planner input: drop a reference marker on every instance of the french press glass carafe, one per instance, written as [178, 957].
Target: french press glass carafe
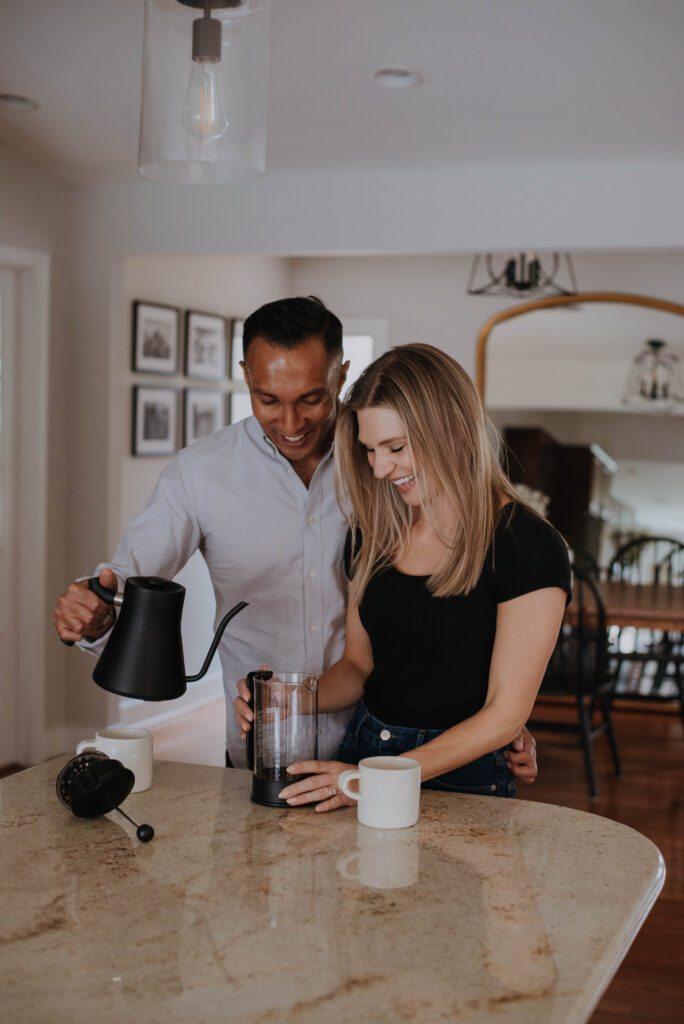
[284, 730]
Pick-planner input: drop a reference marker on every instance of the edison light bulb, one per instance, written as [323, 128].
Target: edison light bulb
[203, 111]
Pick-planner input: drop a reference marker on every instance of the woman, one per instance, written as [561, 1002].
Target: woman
[457, 588]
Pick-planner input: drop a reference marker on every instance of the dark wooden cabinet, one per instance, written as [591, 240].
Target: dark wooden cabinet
[575, 480]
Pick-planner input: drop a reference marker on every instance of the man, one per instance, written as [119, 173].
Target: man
[258, 500]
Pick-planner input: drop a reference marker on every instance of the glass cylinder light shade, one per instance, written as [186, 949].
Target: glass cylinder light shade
[204, 121]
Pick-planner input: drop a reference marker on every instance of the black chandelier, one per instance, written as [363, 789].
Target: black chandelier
[522, 275]
[653, 380]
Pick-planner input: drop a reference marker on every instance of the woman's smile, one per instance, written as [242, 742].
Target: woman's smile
[404, 483]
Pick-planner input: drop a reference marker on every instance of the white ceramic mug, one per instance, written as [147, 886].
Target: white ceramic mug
[133, 747]
[389, 791]
[384, 858]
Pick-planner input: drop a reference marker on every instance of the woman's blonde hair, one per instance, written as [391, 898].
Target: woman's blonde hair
[448, 436]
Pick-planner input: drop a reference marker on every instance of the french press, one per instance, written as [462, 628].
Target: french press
[284, 730]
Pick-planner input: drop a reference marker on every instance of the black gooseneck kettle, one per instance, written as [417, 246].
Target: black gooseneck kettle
[143, 657]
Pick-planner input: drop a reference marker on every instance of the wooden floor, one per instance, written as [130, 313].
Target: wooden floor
[649, 797]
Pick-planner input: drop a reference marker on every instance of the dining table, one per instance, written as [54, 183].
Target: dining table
[641, 605]
[487, 909]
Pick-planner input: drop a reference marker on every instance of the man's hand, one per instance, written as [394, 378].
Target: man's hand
[521, 757]
[244, 714]
[80, 613]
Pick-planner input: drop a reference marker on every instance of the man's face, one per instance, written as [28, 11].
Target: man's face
[294, 393]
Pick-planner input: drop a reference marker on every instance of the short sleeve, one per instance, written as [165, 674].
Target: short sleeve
[529, 555]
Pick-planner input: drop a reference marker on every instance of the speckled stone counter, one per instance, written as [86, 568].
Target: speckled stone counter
[486, 910]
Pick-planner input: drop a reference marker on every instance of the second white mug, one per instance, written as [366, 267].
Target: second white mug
[133, 747]
[389, 791]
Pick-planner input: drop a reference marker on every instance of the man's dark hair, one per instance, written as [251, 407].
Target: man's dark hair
[289, 322]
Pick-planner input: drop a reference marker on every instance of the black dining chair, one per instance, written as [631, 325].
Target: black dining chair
[650, 662]
[580, 668]
[657, 561]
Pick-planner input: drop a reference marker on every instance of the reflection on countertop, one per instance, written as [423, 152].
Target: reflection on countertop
[237, 912]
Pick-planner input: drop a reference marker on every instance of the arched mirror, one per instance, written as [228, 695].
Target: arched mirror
[552, 374]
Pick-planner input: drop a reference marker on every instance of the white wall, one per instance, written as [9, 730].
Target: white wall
[424, 297]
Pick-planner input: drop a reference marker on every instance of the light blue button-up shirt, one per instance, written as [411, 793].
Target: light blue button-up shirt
[268, 540]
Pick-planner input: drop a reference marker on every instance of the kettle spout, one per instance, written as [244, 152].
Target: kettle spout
[215, 642]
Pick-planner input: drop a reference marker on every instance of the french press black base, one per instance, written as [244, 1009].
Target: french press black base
[265, 791]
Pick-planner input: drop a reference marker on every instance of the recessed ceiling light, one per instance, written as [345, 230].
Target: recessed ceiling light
[397, 78]
[17, 104]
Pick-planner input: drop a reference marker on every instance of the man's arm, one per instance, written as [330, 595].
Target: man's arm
[158, 542]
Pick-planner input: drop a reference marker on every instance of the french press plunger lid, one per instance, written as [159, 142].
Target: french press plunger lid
[91, 784]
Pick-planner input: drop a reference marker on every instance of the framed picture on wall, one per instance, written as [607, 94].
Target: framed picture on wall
[205, 346]
[236, 349]
[155, 429]
[155, 338]
[204, 412]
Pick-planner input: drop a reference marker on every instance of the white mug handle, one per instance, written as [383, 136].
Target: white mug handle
[344, 862]
[86, 745]
[343, 782]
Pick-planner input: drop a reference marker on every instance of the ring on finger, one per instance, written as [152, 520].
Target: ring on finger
[332, 791]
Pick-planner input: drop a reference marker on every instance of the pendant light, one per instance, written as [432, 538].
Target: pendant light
[653, 383]
[204, 90]
[524, 275]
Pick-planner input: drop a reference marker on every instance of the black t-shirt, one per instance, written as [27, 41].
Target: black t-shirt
[431, 654]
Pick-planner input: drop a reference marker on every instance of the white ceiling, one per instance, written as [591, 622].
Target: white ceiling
[505, 81]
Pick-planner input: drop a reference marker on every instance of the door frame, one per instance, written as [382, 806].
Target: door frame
[32, 742]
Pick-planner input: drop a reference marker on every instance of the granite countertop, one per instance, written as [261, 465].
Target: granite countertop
[486, 909]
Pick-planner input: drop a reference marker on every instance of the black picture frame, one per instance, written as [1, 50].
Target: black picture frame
[154, 428]
[204, 412]
[156, 336]
[206, 344]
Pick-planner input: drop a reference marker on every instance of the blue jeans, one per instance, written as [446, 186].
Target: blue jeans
[366, 736]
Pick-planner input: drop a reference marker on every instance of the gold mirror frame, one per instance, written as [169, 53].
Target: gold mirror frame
[624, 298]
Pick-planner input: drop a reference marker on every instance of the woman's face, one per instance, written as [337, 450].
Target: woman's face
[383, 437]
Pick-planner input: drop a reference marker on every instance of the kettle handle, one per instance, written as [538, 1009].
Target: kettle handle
[104, 593]
[251, 676]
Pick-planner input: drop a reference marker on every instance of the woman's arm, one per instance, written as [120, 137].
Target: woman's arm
[341, 685]
[526, 632]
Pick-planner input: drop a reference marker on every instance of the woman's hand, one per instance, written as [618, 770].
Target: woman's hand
[521, 757]
[321, 785]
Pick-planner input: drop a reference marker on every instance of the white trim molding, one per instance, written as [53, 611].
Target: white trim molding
[33, 738]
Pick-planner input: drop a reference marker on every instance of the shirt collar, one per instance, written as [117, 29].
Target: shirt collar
[253, 428]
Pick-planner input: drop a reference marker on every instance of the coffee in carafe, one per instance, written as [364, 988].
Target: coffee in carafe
[284, 730]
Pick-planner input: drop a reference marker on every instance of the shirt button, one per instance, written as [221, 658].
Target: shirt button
[310, 519]
[312, 573]
[385, 734]
[314, 627]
